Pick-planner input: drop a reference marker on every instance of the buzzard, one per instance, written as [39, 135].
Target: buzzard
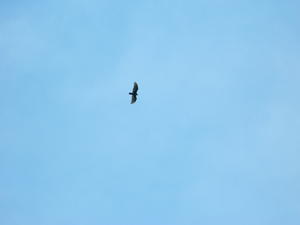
[134, 93]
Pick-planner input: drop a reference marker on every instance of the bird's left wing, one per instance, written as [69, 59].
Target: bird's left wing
[135, 87]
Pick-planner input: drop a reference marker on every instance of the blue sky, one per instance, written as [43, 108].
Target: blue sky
[213, 138]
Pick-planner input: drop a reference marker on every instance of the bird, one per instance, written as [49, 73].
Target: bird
[134, 92]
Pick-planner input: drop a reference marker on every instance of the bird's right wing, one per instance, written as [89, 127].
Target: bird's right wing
[133, 99]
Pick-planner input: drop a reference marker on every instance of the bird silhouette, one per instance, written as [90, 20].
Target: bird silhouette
[134, 93]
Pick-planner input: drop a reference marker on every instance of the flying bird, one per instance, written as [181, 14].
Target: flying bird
[134, 93]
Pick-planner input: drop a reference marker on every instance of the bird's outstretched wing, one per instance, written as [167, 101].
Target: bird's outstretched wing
[135, 87]
[133, 99]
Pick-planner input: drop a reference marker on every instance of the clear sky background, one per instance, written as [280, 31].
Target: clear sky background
[213, 138]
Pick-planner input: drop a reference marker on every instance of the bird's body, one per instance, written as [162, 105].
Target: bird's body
[134, 93]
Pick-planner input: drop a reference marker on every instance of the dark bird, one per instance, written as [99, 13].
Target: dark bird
[134, 93]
